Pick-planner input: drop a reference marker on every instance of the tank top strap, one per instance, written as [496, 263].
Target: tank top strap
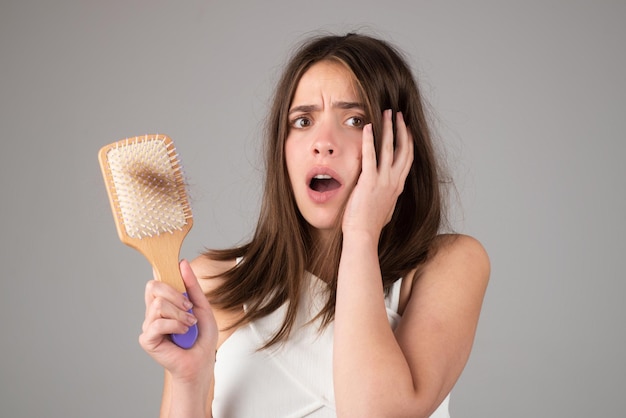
[393, 298]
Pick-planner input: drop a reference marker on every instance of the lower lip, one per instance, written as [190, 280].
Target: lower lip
[322, 197]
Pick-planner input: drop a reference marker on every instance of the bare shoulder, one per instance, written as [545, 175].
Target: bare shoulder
[209, 271]
[459, 265]
[458, 269]
[455, 251]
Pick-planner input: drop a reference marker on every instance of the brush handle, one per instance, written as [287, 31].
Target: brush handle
[187, 339]
[168, 270]
[162, 252]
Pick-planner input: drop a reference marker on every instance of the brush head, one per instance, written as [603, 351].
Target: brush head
[146, 186]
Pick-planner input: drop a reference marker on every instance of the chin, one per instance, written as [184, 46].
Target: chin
[322, 218]
[321, 224]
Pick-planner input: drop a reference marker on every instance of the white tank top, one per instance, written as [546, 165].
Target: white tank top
[290, 380]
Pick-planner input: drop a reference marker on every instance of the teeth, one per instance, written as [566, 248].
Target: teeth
[322, 177]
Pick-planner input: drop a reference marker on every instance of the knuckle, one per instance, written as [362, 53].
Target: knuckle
[143, 340]
[160, 326]
[151, 286]
[158, 306]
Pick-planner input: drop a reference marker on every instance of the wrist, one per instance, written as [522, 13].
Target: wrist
[189, 397]
[199, 378]
[359, 254]
[360, 238]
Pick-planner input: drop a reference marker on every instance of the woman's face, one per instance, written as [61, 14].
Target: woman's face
[323, 147]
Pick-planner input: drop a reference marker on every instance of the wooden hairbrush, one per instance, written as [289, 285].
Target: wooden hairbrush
[148, 196]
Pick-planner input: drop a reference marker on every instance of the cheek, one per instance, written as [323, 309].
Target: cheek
[358, 155]
[354, 168]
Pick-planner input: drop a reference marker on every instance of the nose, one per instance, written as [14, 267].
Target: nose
[324, 143]
[323, 148]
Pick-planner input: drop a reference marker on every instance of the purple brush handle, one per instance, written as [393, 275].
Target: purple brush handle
[187, 339]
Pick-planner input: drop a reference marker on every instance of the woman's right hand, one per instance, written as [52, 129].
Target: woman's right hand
[166, 313]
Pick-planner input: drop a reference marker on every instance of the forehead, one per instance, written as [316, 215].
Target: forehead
[326, 79]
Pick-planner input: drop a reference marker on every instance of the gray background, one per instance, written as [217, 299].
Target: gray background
[530, 100]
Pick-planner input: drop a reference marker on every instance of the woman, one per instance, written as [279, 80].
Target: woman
[348, 300]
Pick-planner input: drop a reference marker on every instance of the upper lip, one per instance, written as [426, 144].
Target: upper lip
[322, 170]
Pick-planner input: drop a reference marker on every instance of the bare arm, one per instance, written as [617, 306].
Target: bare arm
[173, 400]
[377, 373]
[185, 399]
[409, 373]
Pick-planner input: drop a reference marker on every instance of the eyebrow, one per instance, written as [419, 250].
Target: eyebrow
[338, 105]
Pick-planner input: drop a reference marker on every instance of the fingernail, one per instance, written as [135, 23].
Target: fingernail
[191, 320]
[187, 304]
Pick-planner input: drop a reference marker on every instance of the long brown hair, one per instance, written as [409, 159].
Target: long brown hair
[282, 248]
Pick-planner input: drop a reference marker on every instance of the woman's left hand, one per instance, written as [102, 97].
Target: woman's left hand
[372, 202]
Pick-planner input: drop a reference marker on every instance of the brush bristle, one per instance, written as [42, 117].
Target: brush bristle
[149, 186]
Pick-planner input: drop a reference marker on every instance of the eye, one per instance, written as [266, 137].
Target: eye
[356, 121]
[301, 122]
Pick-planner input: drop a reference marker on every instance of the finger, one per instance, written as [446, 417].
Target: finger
[403, 141]
[156, 289]
[158, 333]
[150, 340]
[409, 162]
[202, 308]
[368, 152]
[161, 308]
[150, 293]
[194, 291]
[403, 158]
[404, 148]
[163, 328]
[386, 149]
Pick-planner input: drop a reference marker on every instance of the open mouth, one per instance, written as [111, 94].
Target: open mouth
[323, 183]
